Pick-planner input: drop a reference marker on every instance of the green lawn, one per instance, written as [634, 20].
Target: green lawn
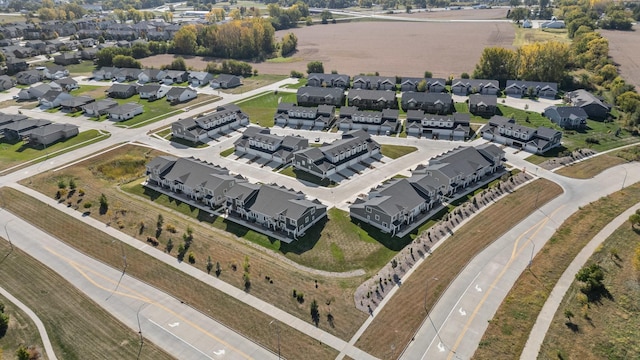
[301, 83]
[164, 133]
[227, 152]
[85, 67]
[254, 82]
[84, 89]
[462, 107]
[12, 154]
[396, 151]
[262, 107]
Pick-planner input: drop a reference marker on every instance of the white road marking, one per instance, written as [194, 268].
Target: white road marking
[174, 324]
[462, 312]
[181, 339]
[219, 352]
[441, 347]
[478, 288]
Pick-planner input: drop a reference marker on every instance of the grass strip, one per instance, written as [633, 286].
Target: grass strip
[78, 328]
[252, 323]
[509, 329]
[405, 311]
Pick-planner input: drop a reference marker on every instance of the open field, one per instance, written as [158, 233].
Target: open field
[78, 328]
[253, 324]
[462, 14]
[608, 327]
[590, 167]
[12, 154]
[343, 47]
[261, 108]
[396, 151]
[405, 311]
[510, 327]
[528, 36]
[21, 331]
[624, 47]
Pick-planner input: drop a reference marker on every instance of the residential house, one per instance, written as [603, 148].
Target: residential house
[18, 51]
[567, 117]
[483, 105]
[259, 142]
[327, 160]
[105, 73]
[275, 208]
[6, 119]
[122, 91]
[153, 91]
[475, 86]
[447, 127]
[127, 74]
[431, 84]
[314, 117]
[553, 24]
[65, 84]
[374, 83]
[196, 179]
[54, 72]
[22, 128]
[88, 53]
[329, 80]
[125, 111]
[433, 103]
[28, 77]
[6, 82]
[375, 122]
[98, 108]
[372, 99]
[199, 78]
[66, 58]
[51, 133]
[226, 81]
[175, 77]
[178, 94]
[88, 42]
[314, 96]
[225, 118]
[517, 88]
[34, 92]
[505, 131]
[594, 106]
[15, 65]
[52, 99]
[151, 75]
[37, 45]
[75, 103]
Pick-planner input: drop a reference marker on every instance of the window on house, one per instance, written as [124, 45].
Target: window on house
[384, 224]
[368, 209]
[377, 217]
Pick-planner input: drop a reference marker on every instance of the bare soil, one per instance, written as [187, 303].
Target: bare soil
[390, 48]
[624, 47]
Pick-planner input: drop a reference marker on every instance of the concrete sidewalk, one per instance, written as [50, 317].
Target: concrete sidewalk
[543, 322]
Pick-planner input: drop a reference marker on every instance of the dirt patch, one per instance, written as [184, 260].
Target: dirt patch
[624, 47]
[390, 48]
[463, 14]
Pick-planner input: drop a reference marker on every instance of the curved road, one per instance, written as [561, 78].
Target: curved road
[36, 320]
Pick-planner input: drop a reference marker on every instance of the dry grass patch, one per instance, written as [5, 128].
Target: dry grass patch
[21, 330]
[252, 324]
[78, 328]
[271, 279]
[405, 311]
[607, 329]
[510, 327]
[590, 167]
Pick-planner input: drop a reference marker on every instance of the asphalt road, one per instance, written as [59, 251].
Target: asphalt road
[457, 322]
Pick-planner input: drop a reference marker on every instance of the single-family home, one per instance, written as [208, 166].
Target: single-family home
[329, 80]
[475, 86]
[28, 77]
[153, 91]
[324, 161]
[226, 81]
[517, 88]
[67, 58]
[372, 99]
[314, 96]
[312, 117]
[6, 119]
[567, 117]
[16, 65]
[122, 91]
[178, 94]
[125, 111]
[105, 73]
[199, 78]
[428, 84]
[88, 53]
[127, 74]
[34, 92]
[594, 106]
[54, 72]
[553, 24]
[199, 128]
[22, 128]
[175, 77]
[444, 127]
[151, 75]
[64, 84]
[380, 122]
[505, 131]
[256, 141]
[433, 103]
[75, 103]
[51, 133]
[6, 82]
[52, 99]
[483, 105]
[366, 82]
[99, 107]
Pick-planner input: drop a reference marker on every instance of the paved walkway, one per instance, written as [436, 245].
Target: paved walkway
[540, 328]
[36, 320]
[228, 289]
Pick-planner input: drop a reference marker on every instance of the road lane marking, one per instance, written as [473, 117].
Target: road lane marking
[181, 339]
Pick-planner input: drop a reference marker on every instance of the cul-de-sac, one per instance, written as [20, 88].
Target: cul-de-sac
[320, 179]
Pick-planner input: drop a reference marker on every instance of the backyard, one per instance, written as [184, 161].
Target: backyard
[261, 108]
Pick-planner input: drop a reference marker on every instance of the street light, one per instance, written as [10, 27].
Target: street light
[278, 333]
[140, 327]
[625, 177]
[7, 232]
[429, 313]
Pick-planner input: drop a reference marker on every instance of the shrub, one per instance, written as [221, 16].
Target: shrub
[170, 228]
[192, 258]
[81, 192]
[296, 74]
[87, 205]
[62, 184]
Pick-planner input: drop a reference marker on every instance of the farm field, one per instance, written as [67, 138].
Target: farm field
[624, 47]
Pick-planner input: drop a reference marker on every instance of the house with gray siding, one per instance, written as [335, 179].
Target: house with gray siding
[505, 131]
[594, 106]
[483, 105]
[51, 133]
[431, 84]
[256, 141]
[372, 99]
[567, 117]
[226, 118]
[314, 96]
[433, 103]
[518, 88]
[366, 82]
[475, 86]
[329, 80]
[319, 117]
[374, 122]
[432, 126]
